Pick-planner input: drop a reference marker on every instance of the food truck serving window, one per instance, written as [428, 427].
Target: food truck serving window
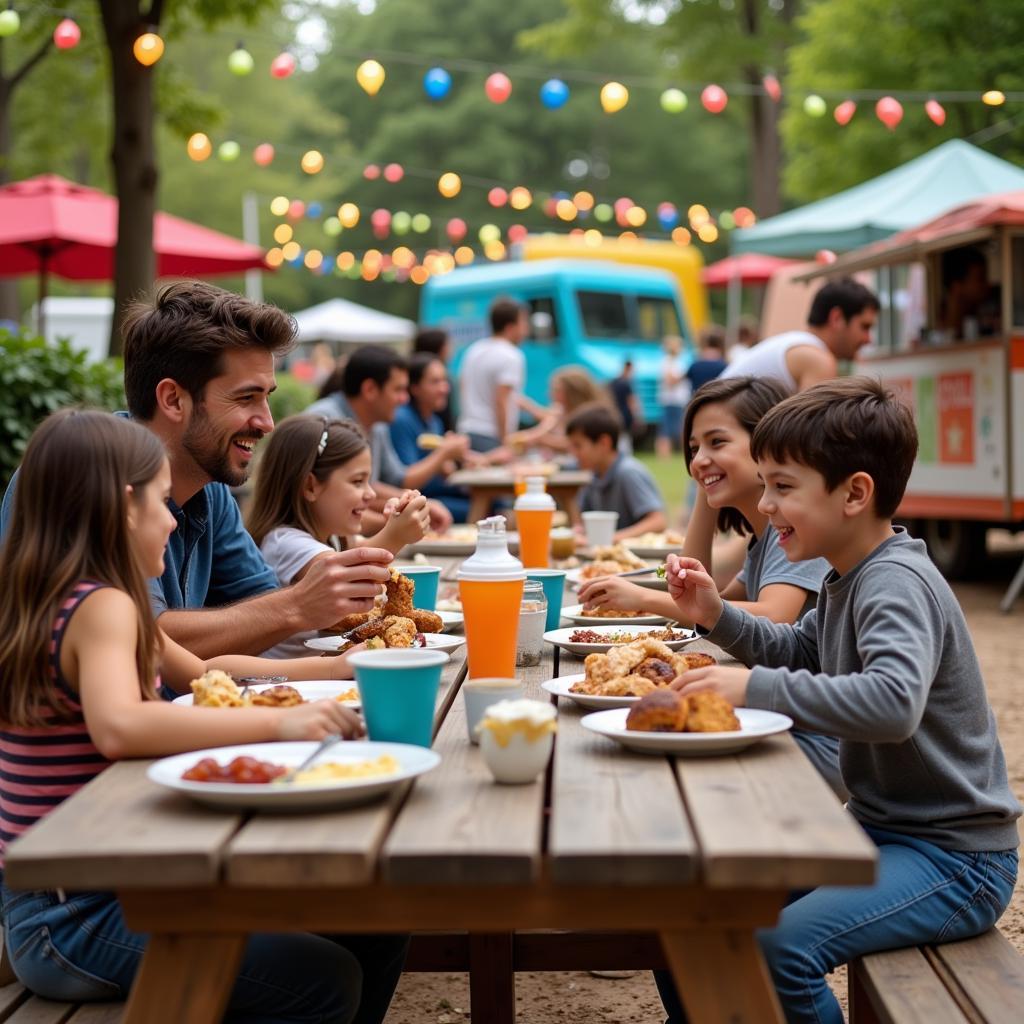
[902, 292]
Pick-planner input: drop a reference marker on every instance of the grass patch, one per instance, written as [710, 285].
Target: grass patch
[672, 479]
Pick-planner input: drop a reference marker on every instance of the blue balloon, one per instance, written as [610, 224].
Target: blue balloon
[554, 93]
[668, 219]
[314, 210]
[437, 83]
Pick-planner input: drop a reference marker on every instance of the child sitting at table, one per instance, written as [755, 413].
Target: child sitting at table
[720, 420]
[621, 483]
[312, 488]
[80, 663]
[886, 664]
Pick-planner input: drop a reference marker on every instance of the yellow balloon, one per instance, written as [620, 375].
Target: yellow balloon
[370, 75]
[614, 96]
[449, 184]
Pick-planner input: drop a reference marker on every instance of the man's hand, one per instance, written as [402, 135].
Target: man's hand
[440, 517]
[728, 682]
[693, 591]
[341, 584]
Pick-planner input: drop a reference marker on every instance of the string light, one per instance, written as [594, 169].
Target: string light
[148, 49]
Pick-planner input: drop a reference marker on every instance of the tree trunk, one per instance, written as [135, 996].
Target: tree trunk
[765, 155]
[10, 308]
[134, 159]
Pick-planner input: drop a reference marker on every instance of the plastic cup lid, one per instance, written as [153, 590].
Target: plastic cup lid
[491, 562]
[534, 498]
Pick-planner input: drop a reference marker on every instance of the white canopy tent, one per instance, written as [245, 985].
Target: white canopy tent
[342, 323]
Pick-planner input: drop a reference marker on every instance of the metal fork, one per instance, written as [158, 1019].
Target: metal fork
[325, 744]
[247, 681]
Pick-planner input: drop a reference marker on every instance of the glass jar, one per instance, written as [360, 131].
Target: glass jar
[533, 612]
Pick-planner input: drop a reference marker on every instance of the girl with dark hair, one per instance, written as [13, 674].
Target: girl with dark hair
[81, 659]
[312, 489]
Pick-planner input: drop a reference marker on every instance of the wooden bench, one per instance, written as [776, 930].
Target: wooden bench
[976, 981]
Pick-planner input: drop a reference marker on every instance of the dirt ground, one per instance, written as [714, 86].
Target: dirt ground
[554, 998]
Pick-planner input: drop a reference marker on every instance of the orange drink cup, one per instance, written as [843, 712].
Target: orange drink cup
[519, 486]
[534, 511]
[491, 591]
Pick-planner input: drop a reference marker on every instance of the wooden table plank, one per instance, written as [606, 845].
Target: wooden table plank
[331, 847]
[459, 825]
[121, 830]
[764, 817]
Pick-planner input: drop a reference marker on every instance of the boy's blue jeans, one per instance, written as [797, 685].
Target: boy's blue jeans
[81, 950]
[923, 894]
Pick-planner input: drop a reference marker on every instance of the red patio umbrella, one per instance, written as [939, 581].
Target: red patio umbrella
[747, 268]
[49, 225]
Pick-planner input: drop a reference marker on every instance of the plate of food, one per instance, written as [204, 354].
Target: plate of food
[625, 674]
[610, 617]
[215, 689]
[432, 641]
[666, 722]
[655, 545]
[252, 775]
[456, 540]
[582, 640]
[450, 620]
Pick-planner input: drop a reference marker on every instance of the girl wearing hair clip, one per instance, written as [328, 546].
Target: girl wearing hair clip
[312, 488]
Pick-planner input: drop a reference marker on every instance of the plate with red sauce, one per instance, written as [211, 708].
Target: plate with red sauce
[258, 768]
[584, 640]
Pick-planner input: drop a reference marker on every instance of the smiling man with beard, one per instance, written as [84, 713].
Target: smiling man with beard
[199, 369]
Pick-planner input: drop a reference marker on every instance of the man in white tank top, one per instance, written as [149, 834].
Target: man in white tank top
[840, 320]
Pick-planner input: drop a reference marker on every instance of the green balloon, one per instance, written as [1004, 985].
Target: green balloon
[10, 22]
[674, 101]
[240, 62]
[332, 227]
[421, 223]
[228, 151]
[401, 222]
[603, 212]
[815, 106]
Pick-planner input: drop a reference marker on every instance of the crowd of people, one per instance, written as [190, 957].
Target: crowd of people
[144, 574]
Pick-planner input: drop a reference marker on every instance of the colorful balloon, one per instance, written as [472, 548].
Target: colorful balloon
[936, 112]
[517, 232]
[296, 209]
[456, 229]
[614, 96]
[554, 93]
[714, 98]
[370, 76]
[673, 101]
[263, 154]
[437, 83]
[312, 161]
[282, 65]
[240, 61]
[772, 87]
[394, 173]
[371, 172]
[420, 223]
[66, 35]
[148, 49]
[889, 111]
[497, 196]
[844, 112]
[815, 106]
[498, 87]
[449, 184]
[380, 222]
[401, 221]
[199, 147]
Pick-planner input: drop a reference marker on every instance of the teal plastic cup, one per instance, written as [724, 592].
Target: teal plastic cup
[553, 582]
[398, 690]
[425, 579]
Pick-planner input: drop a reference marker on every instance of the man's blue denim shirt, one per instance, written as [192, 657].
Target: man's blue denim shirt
[210, 559]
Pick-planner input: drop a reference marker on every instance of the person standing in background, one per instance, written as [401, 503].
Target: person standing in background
[711, 362]
[747, 336]
[628, 406]
[673, 394]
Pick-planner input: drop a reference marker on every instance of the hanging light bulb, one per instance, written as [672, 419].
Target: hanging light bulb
[10, 22]
[370, 76]
[148, 49]
[199, 147]
[66, 35]
[282, 65]
[240, 61]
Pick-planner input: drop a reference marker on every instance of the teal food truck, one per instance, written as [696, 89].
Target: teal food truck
[582, 312]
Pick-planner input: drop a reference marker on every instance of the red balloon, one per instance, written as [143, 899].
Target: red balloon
[714, 98]
[456, 229]
[371, 172]
[282, 65]
[394, 173]
[66, 35]
[497, 196]
[844, 112]
[772, 87]
[263, 154]
[889, 111]
[498, 87]
[935, 110]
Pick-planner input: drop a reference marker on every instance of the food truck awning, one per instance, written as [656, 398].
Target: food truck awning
[962, 225]
[953, 173]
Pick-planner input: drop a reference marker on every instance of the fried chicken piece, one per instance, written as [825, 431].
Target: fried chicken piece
[388, 628]
[356, 619]
[620, 686]
[622, 660]
[426, 622]
[710, 712]
[658, 671]
[691, 659]
[660, 711]
[276, 697]
[399, 590]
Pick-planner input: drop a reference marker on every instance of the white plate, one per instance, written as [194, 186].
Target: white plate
[560, 638]
[659, 551]
[311, 689]
[559, 687]
[574, 613]
[452, 621]
[574, 578]
[435, 642]
[754, 725]
[412, 761]
[452, 546]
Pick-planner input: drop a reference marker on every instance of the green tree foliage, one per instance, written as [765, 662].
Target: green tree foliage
[899, 45]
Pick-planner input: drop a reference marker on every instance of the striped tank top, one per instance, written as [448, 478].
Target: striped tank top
[42, 766]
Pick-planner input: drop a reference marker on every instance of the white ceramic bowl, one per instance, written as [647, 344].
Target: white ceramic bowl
[518, 762]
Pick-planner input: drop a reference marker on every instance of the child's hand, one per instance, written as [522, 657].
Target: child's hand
[339, 666]
[317, 719]
[693, 591]
[728, 682]
[612, 592]
[408, 520]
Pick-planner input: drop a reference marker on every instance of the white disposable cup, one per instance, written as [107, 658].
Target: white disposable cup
[600, 527]
[480, 694]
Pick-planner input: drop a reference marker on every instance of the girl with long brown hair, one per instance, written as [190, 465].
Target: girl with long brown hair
[79, 656]
[312, 488]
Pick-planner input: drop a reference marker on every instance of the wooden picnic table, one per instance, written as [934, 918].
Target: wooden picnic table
[487, 485]
[699, 851]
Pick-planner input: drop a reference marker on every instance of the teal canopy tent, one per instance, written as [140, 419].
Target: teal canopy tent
[919, 190]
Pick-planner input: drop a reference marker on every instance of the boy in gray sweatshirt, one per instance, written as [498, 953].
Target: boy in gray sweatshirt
[884, 663]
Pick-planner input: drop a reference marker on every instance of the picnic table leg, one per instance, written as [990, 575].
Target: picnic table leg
[185, 978]
[492, 982]
[720, 975]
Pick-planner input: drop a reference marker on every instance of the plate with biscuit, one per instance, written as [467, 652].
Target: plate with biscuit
[583, 640]
[696, 725]
[215, 689]
[610, 617]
